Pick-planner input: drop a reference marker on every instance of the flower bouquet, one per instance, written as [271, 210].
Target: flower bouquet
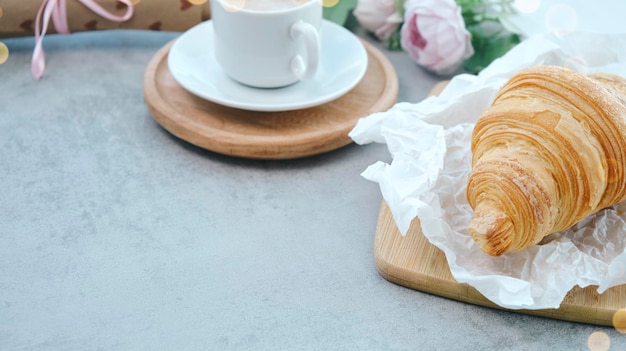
[442, 36]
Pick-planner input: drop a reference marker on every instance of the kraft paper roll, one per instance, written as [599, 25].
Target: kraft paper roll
[17, 17]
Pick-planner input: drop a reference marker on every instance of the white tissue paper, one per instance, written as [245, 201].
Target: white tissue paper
[430, 147]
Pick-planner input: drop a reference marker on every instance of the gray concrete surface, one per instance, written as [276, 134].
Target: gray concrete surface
[115, 235]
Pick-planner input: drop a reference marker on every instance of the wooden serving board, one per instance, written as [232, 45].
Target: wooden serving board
[267, 135]
[412, 261]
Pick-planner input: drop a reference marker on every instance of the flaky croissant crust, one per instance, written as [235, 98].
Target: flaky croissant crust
[550, 151]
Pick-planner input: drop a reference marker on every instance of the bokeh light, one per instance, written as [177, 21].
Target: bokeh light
[619, 320]
[330, 3]
[598, 341]
[527, 6]
[4, 53]
[197, 2]
[561, 19]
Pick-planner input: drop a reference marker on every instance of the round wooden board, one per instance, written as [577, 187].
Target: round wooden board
[267, 135]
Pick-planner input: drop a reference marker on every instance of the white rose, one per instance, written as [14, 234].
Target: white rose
[434, 35]
[378, 16]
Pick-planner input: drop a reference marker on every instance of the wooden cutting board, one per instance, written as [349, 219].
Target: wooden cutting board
[413, 262]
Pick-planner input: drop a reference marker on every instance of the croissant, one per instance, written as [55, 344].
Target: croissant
[548, 152]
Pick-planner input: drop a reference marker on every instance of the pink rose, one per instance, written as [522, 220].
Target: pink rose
[378, 16]
[434, 35]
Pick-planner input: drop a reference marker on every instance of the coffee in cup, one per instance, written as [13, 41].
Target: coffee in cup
[262, 5]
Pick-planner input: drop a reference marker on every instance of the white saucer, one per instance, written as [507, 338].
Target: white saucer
[343, 63]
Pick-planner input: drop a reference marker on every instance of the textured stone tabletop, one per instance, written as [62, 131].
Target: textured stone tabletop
[115, 235]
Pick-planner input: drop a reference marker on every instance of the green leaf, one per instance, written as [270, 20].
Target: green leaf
[400, 6]
[351, 22]
[488, 49]
[340, 13]
[393, 43]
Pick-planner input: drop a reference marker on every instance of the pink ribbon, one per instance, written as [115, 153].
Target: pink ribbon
[56, 9]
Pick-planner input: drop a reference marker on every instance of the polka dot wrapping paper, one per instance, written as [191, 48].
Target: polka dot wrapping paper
[17, 18]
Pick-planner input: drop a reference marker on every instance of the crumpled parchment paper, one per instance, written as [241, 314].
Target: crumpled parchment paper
[431, 160]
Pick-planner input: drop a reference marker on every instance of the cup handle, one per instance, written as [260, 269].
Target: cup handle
[305, 70]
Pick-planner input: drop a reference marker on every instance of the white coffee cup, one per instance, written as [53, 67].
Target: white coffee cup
[267, 43]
